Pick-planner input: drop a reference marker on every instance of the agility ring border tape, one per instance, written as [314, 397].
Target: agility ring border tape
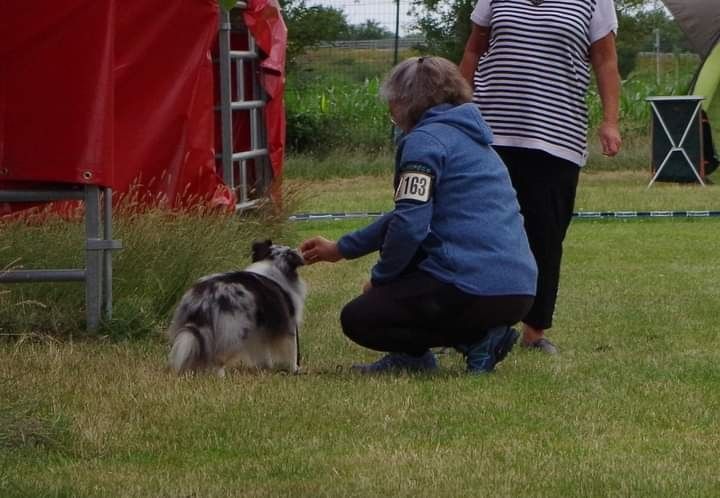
[594, 215]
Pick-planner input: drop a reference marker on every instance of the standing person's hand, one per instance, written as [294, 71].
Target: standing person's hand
[319, 249]
[609, 134]
[367, 286]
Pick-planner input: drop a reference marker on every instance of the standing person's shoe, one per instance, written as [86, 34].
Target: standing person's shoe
[542, 345]
[484, 355]
[399, 362]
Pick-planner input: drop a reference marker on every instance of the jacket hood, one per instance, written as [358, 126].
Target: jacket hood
[464, 117]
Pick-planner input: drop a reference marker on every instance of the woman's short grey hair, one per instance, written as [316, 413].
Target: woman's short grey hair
[419, 83]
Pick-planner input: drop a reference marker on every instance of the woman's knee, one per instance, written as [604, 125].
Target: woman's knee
[351, 320]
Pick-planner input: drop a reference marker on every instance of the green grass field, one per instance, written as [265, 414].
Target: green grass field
[629, 408]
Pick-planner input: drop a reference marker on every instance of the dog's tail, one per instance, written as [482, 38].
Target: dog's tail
[187, 351]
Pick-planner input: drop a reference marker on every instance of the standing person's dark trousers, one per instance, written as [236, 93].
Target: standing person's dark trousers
[546, 187]
[417, 312]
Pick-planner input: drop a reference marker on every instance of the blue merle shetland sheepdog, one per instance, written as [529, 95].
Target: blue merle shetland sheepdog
[249, 318]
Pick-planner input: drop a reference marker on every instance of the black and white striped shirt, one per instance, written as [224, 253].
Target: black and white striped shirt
[531, 84]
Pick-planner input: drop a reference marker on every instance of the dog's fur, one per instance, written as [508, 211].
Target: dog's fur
[247, 318]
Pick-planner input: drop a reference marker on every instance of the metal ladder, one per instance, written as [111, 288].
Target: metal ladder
[236, 164]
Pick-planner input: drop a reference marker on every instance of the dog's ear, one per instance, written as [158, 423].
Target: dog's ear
[261, 250]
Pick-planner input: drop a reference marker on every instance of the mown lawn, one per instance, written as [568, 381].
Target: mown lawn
[631, 407]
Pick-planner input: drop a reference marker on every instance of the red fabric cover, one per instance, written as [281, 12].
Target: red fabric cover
[164, 110]
[56, 91]
[120, 94]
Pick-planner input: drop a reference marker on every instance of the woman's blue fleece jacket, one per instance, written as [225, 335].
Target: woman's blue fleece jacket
[467, 229]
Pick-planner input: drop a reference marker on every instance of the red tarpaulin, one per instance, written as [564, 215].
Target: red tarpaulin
[56, 91]
[121, 94]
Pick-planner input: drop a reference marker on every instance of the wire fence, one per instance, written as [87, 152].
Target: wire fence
[380, 34]
[387, 13]
[332, 86]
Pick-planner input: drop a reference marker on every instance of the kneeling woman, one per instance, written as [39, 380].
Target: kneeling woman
[455, 268]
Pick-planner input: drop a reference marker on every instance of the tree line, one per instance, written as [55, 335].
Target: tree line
[446, 25]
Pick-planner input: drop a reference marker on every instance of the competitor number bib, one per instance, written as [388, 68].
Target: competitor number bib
[413, 186]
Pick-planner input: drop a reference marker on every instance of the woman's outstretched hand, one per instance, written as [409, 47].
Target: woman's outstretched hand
[319, 249]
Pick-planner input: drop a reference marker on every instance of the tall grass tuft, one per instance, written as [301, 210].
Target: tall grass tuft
[163, 253]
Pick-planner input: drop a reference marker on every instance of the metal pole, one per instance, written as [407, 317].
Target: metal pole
[93, 257]
[657, 47]
[225, 97]
[254, 116]
[107, 253]
[657, 55]
[396, 55]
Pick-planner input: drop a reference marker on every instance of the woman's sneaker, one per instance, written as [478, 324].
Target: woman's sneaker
[484, 355]
[542, 345]
[399, 362]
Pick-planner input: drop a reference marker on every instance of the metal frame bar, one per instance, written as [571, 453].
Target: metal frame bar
[676, 147]
[248, 105]
[93, 258]
[225, 98]
[251, 154]
[107, 255]
[41, 195]
[97, 273]
[25, 276]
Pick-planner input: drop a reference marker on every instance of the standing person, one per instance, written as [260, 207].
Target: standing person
[455, 267]
[529, 63]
